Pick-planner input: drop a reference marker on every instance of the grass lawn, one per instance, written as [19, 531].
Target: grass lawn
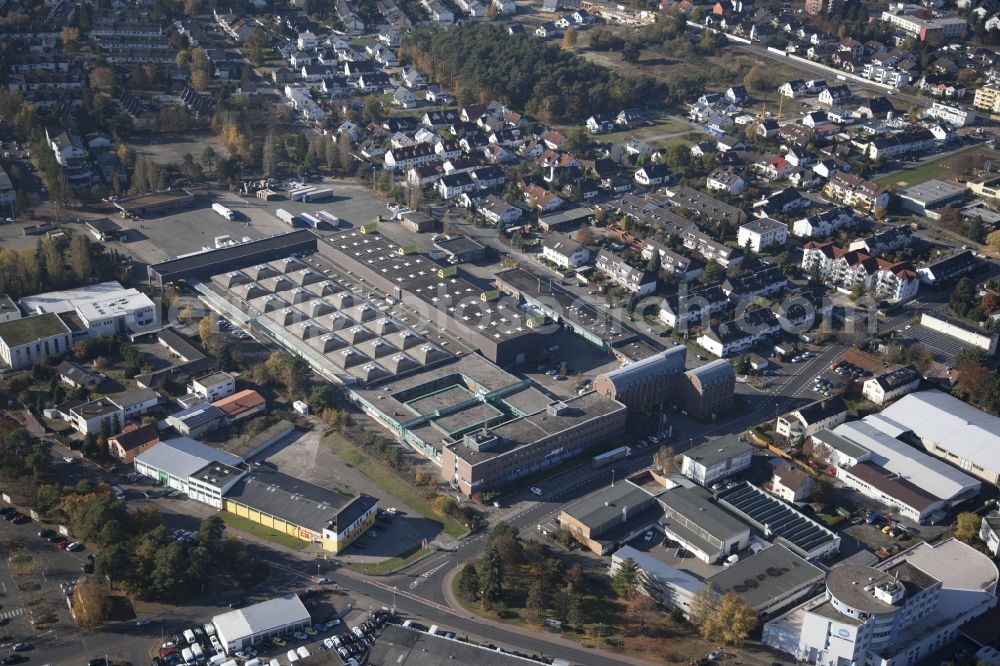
[605, 624]
[258, 530]
[393, 483]
[391, 565]
[945, 168]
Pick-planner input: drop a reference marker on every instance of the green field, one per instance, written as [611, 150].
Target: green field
[946, 168]
[393, 483]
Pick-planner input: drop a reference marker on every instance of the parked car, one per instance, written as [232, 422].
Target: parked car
[536, 490]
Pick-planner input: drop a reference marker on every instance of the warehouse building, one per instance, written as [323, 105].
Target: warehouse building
[249, 626]
[707, 392]
[300, 509]
[608, 518]
[666, 585]
[948, 428]
[155, 203]
[485, 427]
[479, 317]
[172, 463]
[198, 419]
[28, 340]
[768, 580]
[780, 522]
[931, 483]
[970, 335]
[701, 527]
[646, 384]
[210, 262]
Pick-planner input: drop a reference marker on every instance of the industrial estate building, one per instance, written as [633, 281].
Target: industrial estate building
[277, 501]
[894, 614]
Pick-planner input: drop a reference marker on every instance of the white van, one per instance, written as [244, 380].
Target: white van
[187, 656]
[198, 653]
[731, 560]
[189, 636]
[216, 660]
[292, 657]
[303, 652]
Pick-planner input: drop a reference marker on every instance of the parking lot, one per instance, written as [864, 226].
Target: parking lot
[162, 237]
[34, 582]
[943, 347]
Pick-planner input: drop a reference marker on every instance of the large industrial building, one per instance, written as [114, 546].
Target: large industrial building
[484, 426]
[107, 308]
[211, 262]
[646, 384]
[897, 613]
[948, 428]
[895, 473]
[300, 509]
[780, 522]
[277, 501]
[478, 317]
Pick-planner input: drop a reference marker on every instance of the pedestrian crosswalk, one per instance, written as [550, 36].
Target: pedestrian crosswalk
[8, 614]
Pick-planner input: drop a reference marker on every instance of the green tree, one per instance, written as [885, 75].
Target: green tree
[653, 265]
[963, 298]
[569, 38]
[631, 52]
[468, 582]
[535, 601]
[967, 526]
[491, 576]
[577, 141]
[625, 581]
[712, 273]
[79, 257]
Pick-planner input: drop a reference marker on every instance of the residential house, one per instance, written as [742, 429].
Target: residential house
[725, 181]
[699, 306]
[454, 184]
[762, 232]
[498, 211]
[856, 192]
[563, 251]
[74, 375]
[634, 280]
[806, 421]
[740, 334]
[653, 174]
[835, 95]
[766, 282]
[891, 385]
[133, 440]
[790, 483]
[824, 224]
[540, 198]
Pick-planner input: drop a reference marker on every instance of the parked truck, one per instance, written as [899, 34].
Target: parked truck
[318, 194]
[310, 220]
[611, 456]
[286, 217]
[326, 217]
[224, 212]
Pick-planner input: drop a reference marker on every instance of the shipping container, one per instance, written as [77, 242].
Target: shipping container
[310, 220]
[285, 216]
[223, 211]
[318, 194]
[332, 220]
[300, 193]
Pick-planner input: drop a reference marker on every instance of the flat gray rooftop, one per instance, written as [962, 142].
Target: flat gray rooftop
[767, 574]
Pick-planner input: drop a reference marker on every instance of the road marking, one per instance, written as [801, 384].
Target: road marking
[11, 613]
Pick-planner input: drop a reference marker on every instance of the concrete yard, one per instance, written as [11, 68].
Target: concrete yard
[159, 238]
[305, 457]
